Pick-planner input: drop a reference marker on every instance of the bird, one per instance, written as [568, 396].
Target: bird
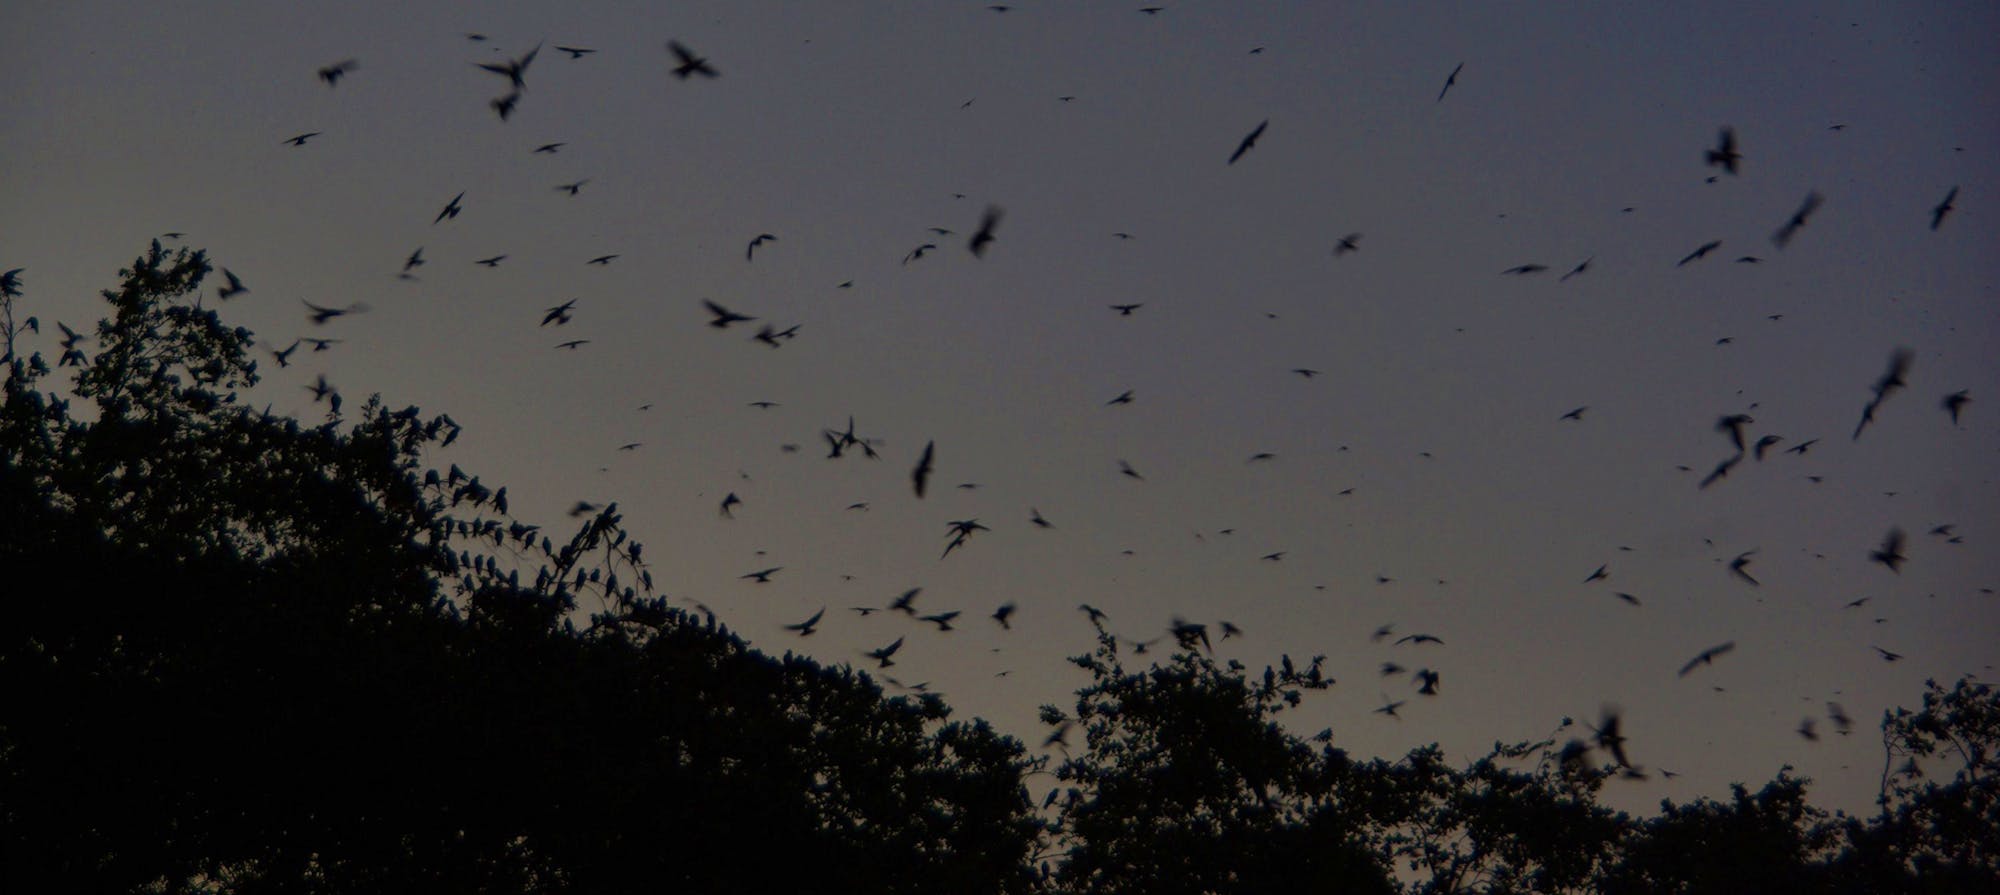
[1096, 615]
[504, 105]
[301, 139]
[1249, 140]
[1418, 639]
[1802, 446]
[1126, 310]
[1580, 268]
[918, 252]
[943, 619]
[907, 602]
[723, 316]
[750, 254]
[1890, 381]
[493, 261]
[513, 69]
[559, 314]
[333, 73]
[451, 209]
[285, 357]
[1349, 243]
[1707, 657]
[1627, 598]
[1449, 80]
[415, 260]
[602, 260]
[1952, 403]
[762, 576]
[575, 52]
[1035, 516]
[1764, 444]
[920, 477]
[1576, 414]
[1700, 252]
[1430, 681]
[1609, 739]
[572, 188]
[688, 62]
[1891, 552]
[1389, 708]
[1124, 397]
[1003, 616]
[321, 315]
[1733, 424]
[804, 628]
[1943, 208]
[1521, 270]
[550, 148]
[1059, 737]
[1739, 564]
[236, 288]
[729, 502]
[1886, 655]
[573, 344]
[1842, 724]
[1784, 234]
[882, 655]
[1305, 373]
[1721, 469]
[1724, 155]
[983, 237]
[1598, 575]
[1126, 470]
[319, 345]
[961, 530]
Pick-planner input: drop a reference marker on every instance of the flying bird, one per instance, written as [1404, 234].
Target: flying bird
[572, 188]
[689, 63]
[415, 260]
[1124, 397]
[918, 252]
[236, 288]
[301, 139]
[513, 69]
[1783, 236]
[1249, 141]
[504, 105]
[1764, 444]
[1521, 270]
[1738, 565]
[573, 344]
[1449, 80]
[1576, 414]
[550, 148]
[907, 602]
[1890, 381]
[1700, 252]
[559, 314]
[321, 315]
[1580, 268]
[1706, 657]
[493, 261]
[1733, 424]
[729, 503]
[1943, 208]
[1598, 575]
[984, 235]
[576, 52]
[285, 357]
[1349, 243]
[723, 316]
[333, 73]
[1003, 616]
[1418, 639]
[804, 628]
[603, 260]
[921, 476]
[1126, 469]
[451, 209]
[1126, 310]
[1724, 155]
[1891, 552]
[943, 619]
[750, 254]
[1886, 655]
[882, 655]
[1952, 403]
[1035, 516]
[762, 576]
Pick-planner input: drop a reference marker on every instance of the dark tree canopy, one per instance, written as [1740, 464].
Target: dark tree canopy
[250, 654]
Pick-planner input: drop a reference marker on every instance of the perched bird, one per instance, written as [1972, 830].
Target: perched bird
[1449, 80]
[333, 73]
[1784, 234]
[1707, 657]
[1891, 552]
[1724, 155]
[805, 628]
[1249, 141]
[920, 477]
[1943, 208]
[750, 254]
[451, 209]
[688, 62]
[236, 288]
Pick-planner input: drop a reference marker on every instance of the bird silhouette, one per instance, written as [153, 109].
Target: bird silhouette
[1124, 397]
[688, 63]
[906, 603]
[729, 503]
[1733, 424]
[918, 252]
[1952, 403]
[1609, 739]
[573, 344]
[1721, 469]
[333, 73]
[415, 260]
[750, 253]
[1598, 575]
[1389, 708]
[321, 315]
[1349, 243]
[319, 345]
[1886, 655]
[1035, 516]
[559, 314]
[1521, 270]
[961, 530]
[1003, 616]
[1418, 639]
[804, 628]
[1126, 470]
[1724, 155]
[1249, 140]
[284, 357]
[1764, 444]
[1784, 234]
[550, 148]
[1740, 564]
[882, 655]
[1890, 381]
[1700, 252]
[1891, 552]
[513, 69]
[301, 139]
[1449, 80]
[1126, 310]
[451, 209]
[572, 188]
[503, 106]
[493, 261]
[1429, 681]
[236, 288]
[723, 316]
[920, 477]
[602, 260]
[575, 52]
[762, 576]
[1706, 657]
[983, 237]
[1579, 268]
[1802, 446]
[943, 619]
[1576, 414]
[1943, 208]
[1627, 598]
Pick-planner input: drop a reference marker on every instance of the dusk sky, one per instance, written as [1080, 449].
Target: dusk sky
[1424, 478]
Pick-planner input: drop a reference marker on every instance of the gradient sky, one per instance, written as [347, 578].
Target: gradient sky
[847, 130]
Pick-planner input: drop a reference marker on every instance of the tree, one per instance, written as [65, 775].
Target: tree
[247, 654]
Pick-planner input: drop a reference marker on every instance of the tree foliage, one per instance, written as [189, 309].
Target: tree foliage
[250, 654]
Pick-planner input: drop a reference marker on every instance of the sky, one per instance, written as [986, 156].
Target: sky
[1424, 478]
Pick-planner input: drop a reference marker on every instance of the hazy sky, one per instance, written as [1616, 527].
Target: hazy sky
[848, 130]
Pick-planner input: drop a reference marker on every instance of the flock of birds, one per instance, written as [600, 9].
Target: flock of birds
[1424, 681]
